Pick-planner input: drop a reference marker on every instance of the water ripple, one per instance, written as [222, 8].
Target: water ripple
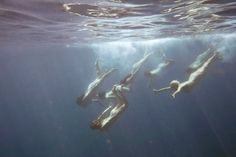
[156, 19]
[114, 19]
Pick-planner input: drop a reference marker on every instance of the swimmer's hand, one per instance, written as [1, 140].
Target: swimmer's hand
[177, 91]
[173, 95]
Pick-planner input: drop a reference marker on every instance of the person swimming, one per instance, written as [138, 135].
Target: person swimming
[125, 84]
[155, 72]
[115, 96]
[200, 59]
[186, 86]
[91, 91]
[111, 113]
[151, 74]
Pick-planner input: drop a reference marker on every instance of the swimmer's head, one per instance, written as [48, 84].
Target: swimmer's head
[80, 101]
[174, 84]
[95, 124]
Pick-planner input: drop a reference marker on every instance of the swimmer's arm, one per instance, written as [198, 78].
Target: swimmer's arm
[177, 91]
[127, 89]
[99, 102]
[104, 75]
[156, 91]
[98, 69]
[95, 100]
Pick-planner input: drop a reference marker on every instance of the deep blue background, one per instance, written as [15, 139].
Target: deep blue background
[39, 116]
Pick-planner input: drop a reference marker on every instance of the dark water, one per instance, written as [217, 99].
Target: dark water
[47, 59]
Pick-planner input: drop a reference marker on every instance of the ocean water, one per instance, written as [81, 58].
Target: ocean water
[48, 51]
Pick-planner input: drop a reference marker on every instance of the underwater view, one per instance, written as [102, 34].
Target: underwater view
[117, 78]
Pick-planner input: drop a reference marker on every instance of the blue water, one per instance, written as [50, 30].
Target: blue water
[39, 115]
[47, 60]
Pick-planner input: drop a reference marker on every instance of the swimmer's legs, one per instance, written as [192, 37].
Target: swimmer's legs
[138, 64]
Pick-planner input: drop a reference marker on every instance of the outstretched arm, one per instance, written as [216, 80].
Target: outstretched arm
[177, 91]
[99, 101]
[98, 69]
[123, 88]
[156, 91]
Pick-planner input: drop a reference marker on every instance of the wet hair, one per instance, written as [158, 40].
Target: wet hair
[95, 124]
[174, 84]
[80, 101]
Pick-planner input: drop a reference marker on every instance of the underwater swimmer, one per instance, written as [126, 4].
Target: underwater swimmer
[108, 97]
[125, 84]
[115, 95]
[111, 113]
[154, 73]
[200, 59]
[177, 87]
[138, 64]
[159, 68]
[91, 91]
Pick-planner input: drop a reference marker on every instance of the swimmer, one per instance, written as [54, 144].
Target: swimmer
[115, 96]
[105, 98]
[154, 73]
[108, 97]
[200, 60]
[98, 69]
[125, 84]
[111, 113]
[177, 87]
[91, 91]
[138, 64]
